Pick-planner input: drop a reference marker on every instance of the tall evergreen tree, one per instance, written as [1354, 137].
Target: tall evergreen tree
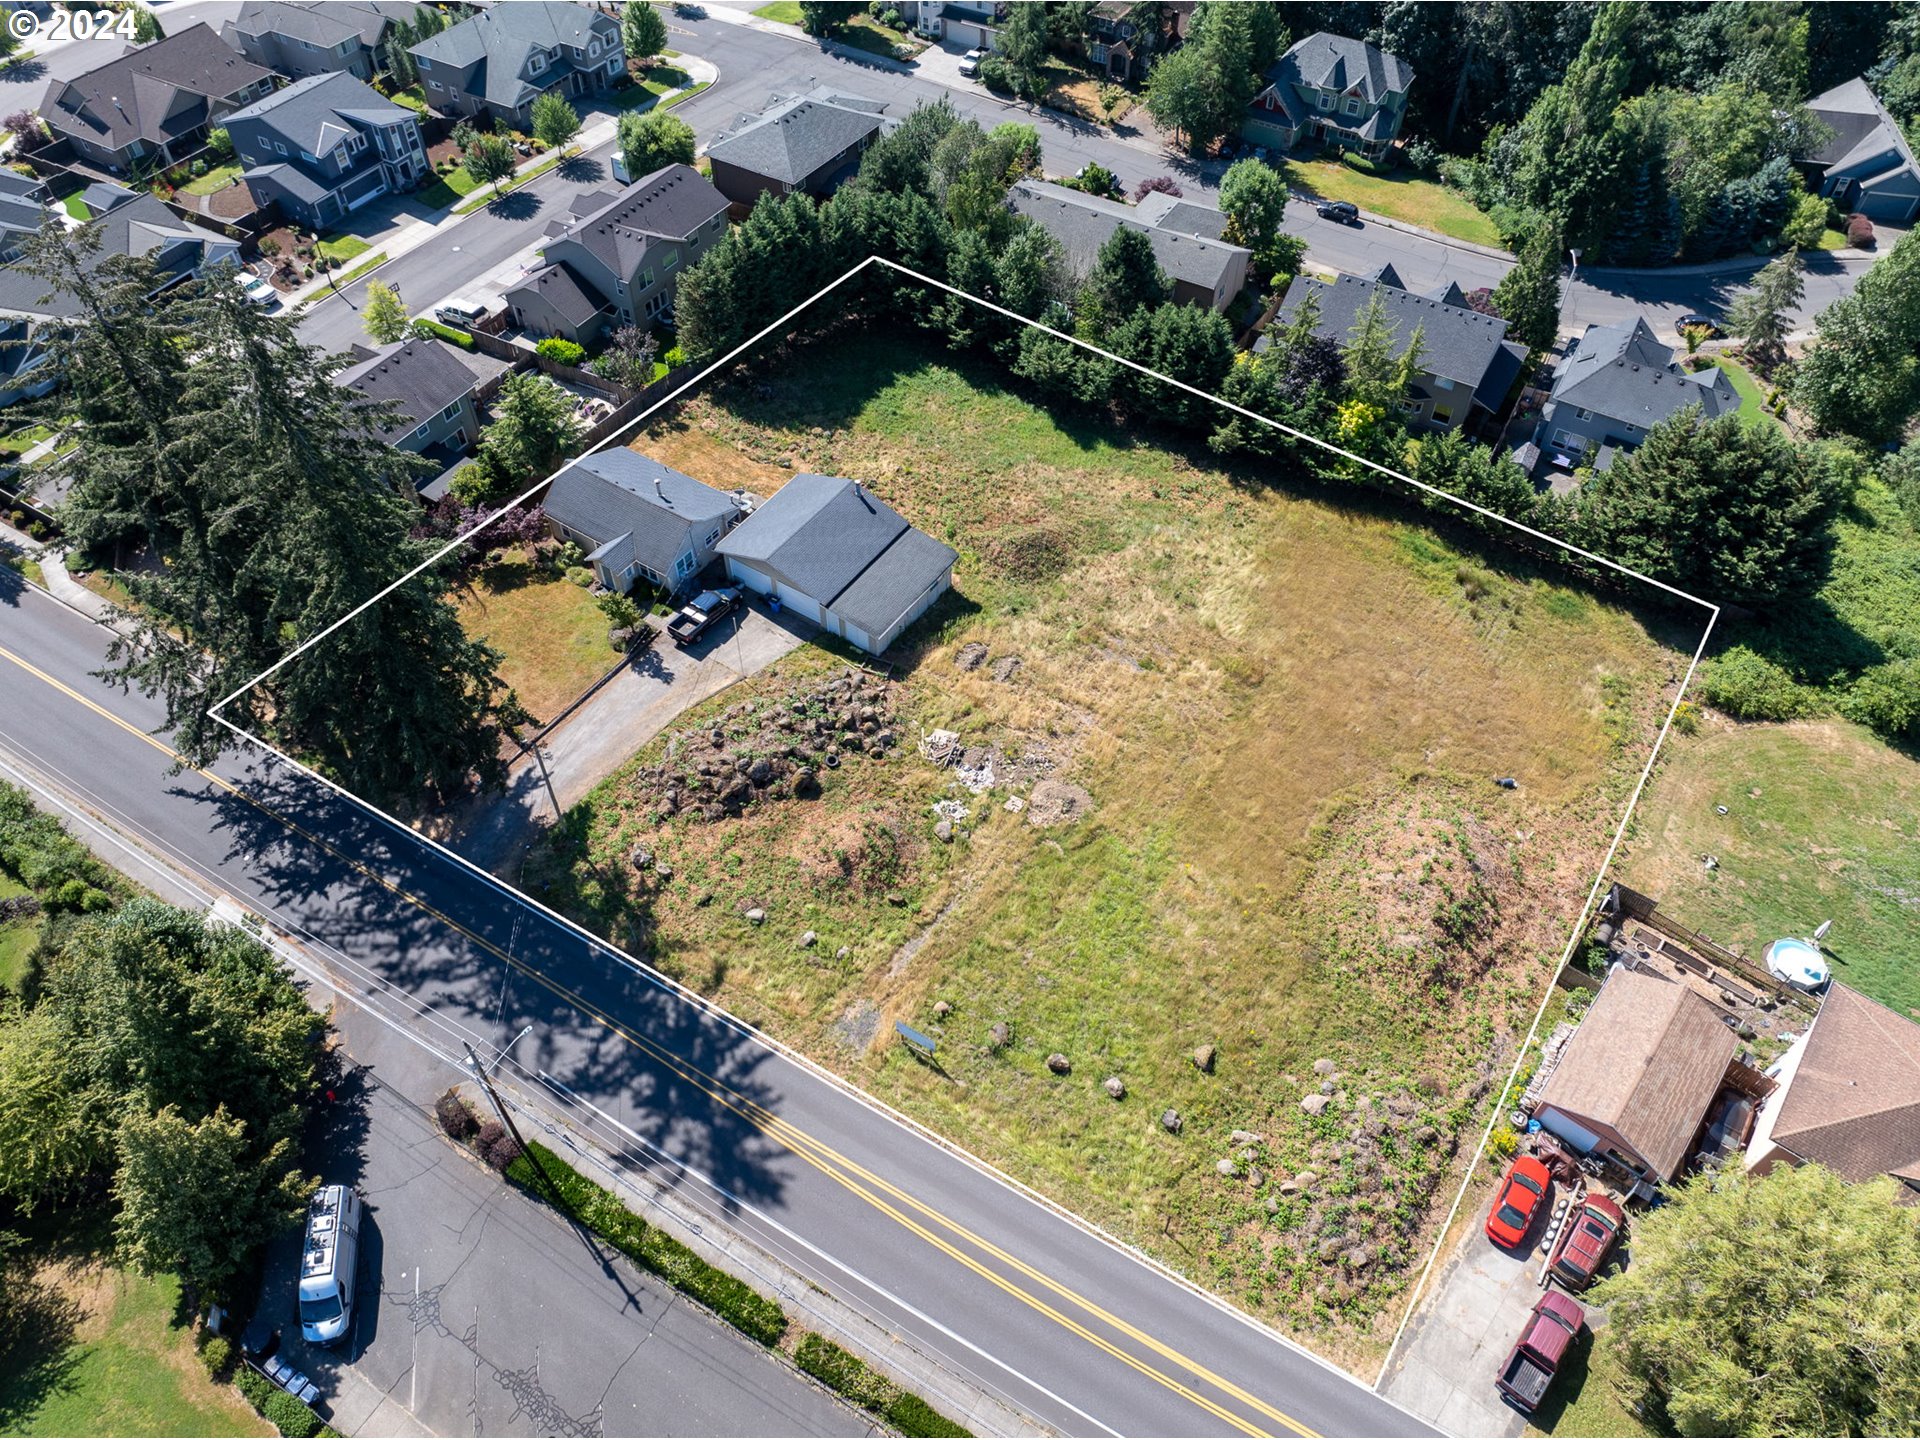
[1762, 314]
[1126, 277]
[1528, 297]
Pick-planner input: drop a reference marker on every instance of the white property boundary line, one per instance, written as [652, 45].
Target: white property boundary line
[803, 1062]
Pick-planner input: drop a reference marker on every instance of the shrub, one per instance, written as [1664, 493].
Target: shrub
[911, 1415]
[564, 351]
[1502, 1143]
[216, 1353]
[733, 1300]
[1886, 699]
[452, 336]
[455, 1116]
[1353, 160]
[579, 575]
[1163, 184]
[1746, 685]
[255, 1386]
[1859, 232]
[674, 358]
[996, 75]
[502, 1153]
[1421, 155]
[220, 143]
[291, 1416]
[489, 1135]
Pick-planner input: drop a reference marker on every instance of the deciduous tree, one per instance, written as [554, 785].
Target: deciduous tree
[489, 159]
[1779, 1306]
[642, 31]
[382, 313]
[652, 140]
[1253, 197]
[555, 122]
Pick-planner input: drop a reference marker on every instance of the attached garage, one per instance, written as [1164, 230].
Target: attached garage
[832, 553]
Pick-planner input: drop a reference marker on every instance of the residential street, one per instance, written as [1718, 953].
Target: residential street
[1007, 1292]
[755, 63]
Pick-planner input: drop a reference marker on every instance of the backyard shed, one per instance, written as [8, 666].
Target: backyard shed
[831, 552]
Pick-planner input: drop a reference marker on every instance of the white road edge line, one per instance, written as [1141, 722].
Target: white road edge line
[700, 1002]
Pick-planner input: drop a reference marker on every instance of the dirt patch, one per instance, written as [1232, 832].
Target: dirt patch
[857, 1027]
[1055, 802]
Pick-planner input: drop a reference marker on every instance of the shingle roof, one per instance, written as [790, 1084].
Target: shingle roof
[316, 113]
[1854, 1101]
[571, 298]
[1458, 344]
[795, 136]
[644, 510]
[420, 377]
[324, 23]
[138, 224]
[1323, 61]
[1620, 371]
[669, 204]
[1183, 217]
[502, 38]
[1647, 1061]
[134, 97]
[835, 542]
[1082, 223]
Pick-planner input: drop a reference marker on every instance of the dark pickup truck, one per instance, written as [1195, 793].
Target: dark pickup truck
[698, 614]
[1551, 1329]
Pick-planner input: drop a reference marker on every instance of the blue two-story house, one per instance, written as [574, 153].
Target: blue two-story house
[325, 146]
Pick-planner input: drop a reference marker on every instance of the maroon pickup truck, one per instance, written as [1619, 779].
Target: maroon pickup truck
[1589, 1239]
[1551, 1329]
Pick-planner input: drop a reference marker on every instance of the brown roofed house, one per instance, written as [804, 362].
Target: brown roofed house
[1848, 1097]
[1638, 1076]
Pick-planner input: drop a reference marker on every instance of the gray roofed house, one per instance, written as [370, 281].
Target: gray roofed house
[638, 519]
[1329, 88]
[1867, 165]
[325, 146]
[829, 550]
[431, 386]
[1467, 364]
[156, 102]
[1615, 384]
[501, 60]
[622, 260]
[806, 142]
[23, 209]
[298, 38]
[1204, 271]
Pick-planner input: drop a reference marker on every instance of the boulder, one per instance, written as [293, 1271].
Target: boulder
[761, 772]
[1115, 1086]
[999, 1036]
[943, 832]
[1306, 1180]
[1314, 1104]
[942, 1009]
[1170, 1121]
[640, 857]
[1059, 1064]
[663, 873]
[1227, 1168]
[971, 656]
[808, 940]
[1254, 1176]
[842, 953]
[1246, 1137]
[756, 916]
[1359, 1257]
[1289, 1188]
[1203, 1059]
[1324, 1067]
[1425, 1135]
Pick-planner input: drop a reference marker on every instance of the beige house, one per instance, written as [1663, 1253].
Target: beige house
[1848, 1096]
[1636, 1080]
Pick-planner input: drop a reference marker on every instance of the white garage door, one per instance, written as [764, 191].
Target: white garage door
[800, 605]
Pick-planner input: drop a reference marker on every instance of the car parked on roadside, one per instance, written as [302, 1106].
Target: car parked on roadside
[459, 313]
[1343, 211]
[1589, 1240]
[1523, 1192]
[1700, 322]
[970, 63]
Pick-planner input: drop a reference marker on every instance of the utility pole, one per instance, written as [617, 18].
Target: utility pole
[493, 1096]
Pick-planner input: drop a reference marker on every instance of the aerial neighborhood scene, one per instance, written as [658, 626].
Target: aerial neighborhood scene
[998, 717]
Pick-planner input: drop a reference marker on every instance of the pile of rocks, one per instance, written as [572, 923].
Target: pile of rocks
[776, 748]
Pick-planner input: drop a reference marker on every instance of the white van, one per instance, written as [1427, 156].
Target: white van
[327, 1262]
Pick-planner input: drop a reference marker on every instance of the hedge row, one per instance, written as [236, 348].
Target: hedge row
[288, 1414]
[600, 1210]
[852, 1377]
[36, 850]
[424, 326]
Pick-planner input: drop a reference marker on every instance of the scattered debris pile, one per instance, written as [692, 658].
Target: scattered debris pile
[769, 748]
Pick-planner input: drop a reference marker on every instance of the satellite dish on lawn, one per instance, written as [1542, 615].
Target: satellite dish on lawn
[1821, 933]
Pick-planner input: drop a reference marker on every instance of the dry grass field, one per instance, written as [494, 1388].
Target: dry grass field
[551, 635]
[1286, 717]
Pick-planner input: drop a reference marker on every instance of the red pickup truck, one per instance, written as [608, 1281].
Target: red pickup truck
[1551, 1328]
[1589, 1240]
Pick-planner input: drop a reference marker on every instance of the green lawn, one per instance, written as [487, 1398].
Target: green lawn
[1753, 400]
[784, 12]
[1582, 1403]
[1425, 203]
[372, 262]
[448, 189]
[1822, 823]
[218, 178]
[21, 441]
[550, 631]
[76, 207]
[1831, 239]
[342, 248]
[512, 185]
[123, 1368]
[411, 97]
[17, 937]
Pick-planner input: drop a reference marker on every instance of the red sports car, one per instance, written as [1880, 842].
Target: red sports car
[1523, 1190]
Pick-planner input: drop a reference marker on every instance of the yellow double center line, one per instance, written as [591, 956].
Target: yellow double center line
[874, 1189]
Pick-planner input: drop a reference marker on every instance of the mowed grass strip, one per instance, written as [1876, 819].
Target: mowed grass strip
[550, 632]
[114, 1363]
[1251, 686]
[1426, 203]
[1822, 823]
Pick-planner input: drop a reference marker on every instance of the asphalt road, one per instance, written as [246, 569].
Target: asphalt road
[1068, 1328]
[483, 1312]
